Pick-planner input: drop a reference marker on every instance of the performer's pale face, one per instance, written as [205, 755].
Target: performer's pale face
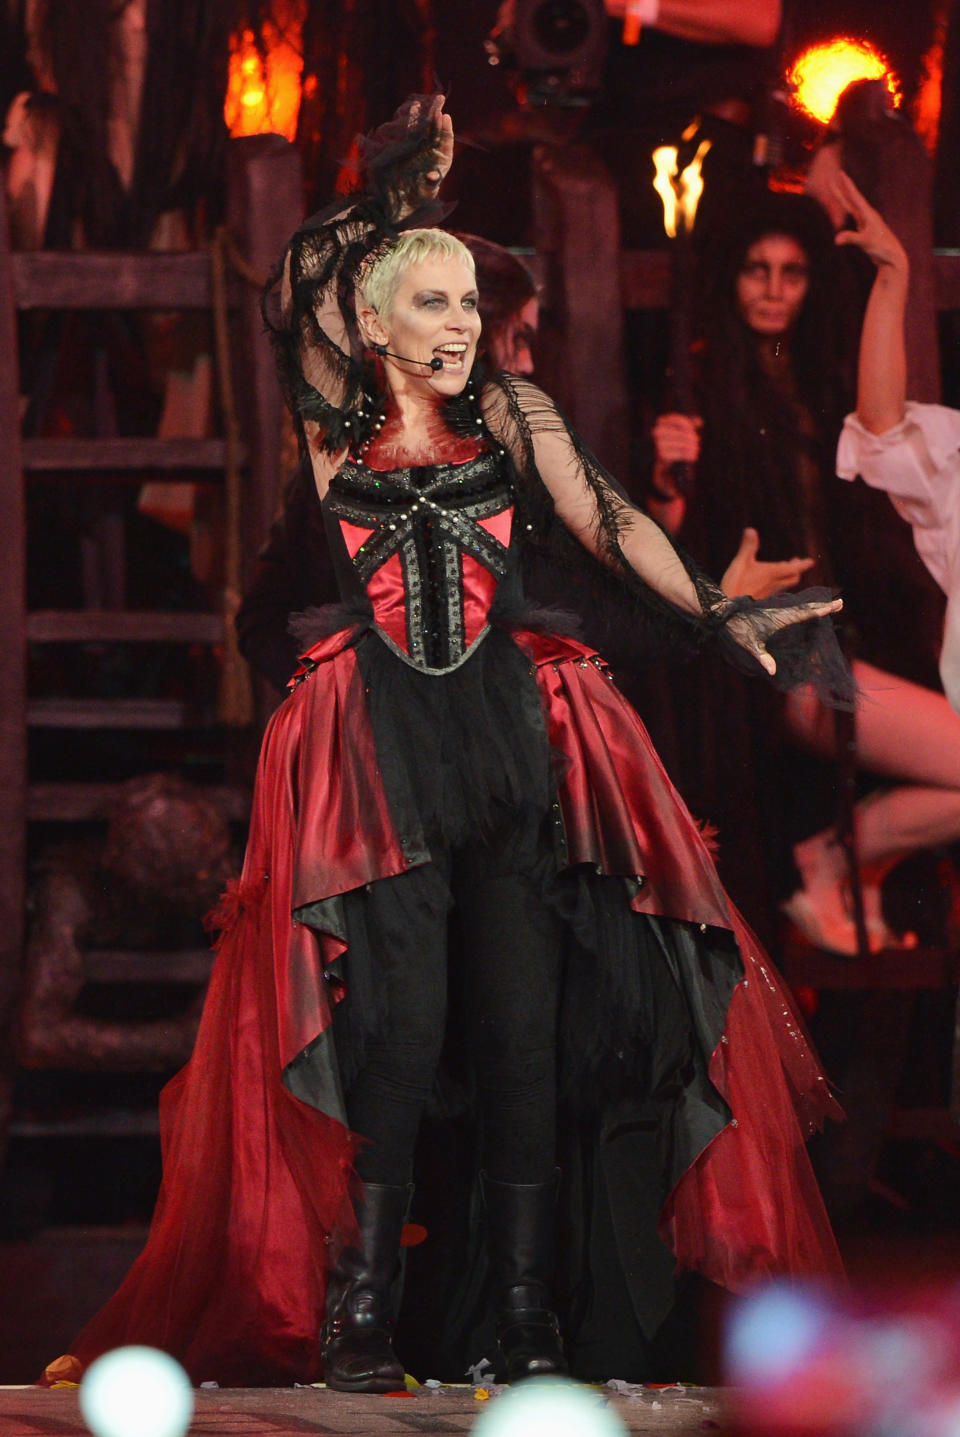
[772, 285]
[434, 315]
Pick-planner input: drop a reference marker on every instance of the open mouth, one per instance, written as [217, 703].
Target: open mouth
[453, 355]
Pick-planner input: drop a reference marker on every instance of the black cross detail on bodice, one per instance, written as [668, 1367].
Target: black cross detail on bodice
[431, 517]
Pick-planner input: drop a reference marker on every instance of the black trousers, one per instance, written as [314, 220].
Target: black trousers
[509, 949]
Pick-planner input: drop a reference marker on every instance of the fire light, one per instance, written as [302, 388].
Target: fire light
[820, 75]
[681, 192]
[928, 102]
[263, 89]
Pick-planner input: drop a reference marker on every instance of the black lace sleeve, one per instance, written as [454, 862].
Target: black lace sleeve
[309, 303]
[568, 503]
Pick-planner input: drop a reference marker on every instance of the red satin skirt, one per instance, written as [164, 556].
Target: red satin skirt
[256, 1182]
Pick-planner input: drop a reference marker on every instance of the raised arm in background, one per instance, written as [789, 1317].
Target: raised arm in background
[882, 369]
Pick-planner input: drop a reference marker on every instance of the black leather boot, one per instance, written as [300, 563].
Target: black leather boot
[521, 1234]
[357, 1332]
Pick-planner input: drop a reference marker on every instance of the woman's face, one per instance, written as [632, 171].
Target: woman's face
[772, 285]
[434, 315]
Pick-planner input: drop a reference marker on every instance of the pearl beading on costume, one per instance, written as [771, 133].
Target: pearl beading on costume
[431, 516]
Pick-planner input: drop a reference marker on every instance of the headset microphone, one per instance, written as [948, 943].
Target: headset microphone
[435, 363]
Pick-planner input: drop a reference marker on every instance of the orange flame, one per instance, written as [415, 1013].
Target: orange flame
[821, 74]
[263, 95]
[681, 192]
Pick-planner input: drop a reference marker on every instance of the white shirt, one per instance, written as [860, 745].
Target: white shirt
[917, 463]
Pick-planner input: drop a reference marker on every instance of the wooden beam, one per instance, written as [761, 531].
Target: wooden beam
[265, 207]
[95, 1123]
[13, 694]
[108, 713]
[578, 231]
[928, 1125]
[89, 802]
[947, 270]
[52, 626]
[136, 456]
[898, 969]
[146, 966]
[52, 279]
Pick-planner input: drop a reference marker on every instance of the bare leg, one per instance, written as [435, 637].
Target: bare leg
[904, 732]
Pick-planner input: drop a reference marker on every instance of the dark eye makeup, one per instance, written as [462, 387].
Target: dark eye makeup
[431, 298]
[759, 268]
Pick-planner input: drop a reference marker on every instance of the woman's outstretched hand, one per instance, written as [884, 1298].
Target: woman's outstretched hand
[753, 630]
[759, 578]
[870, 233]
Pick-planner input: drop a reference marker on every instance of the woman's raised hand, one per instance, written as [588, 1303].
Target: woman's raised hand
[442, 126]
[753, 630]
[870, 233]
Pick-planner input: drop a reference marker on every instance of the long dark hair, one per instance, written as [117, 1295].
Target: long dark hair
[757, 434]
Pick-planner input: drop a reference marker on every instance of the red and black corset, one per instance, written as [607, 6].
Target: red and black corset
[429, 545]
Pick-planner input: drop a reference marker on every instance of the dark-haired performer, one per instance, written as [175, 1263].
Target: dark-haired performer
[441, 749]
[772, 405]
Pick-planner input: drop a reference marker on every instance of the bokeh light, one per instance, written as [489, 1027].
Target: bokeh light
[136, 1392]
[803, 1363]
[550, 1407]
[773, 1333]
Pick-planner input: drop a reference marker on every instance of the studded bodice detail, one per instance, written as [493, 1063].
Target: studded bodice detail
[429, 545]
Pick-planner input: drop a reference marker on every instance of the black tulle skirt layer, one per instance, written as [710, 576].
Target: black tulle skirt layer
[466, 763]
[464, 755]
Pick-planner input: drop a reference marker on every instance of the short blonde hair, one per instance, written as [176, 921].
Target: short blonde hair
[379, 282]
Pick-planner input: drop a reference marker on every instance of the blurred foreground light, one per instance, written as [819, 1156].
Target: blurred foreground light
[901, 1351]
[773, 1333]
[883, 1363]
[819, 76]
[940, 1419]
[136, 1392]
[549, 1407]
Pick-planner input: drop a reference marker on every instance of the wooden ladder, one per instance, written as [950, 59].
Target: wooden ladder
[264, 207]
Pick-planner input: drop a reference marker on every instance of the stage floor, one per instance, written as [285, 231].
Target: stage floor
[283, 1412]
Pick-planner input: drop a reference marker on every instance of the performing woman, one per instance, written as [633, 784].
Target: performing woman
[294, 570]
[444, 748]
